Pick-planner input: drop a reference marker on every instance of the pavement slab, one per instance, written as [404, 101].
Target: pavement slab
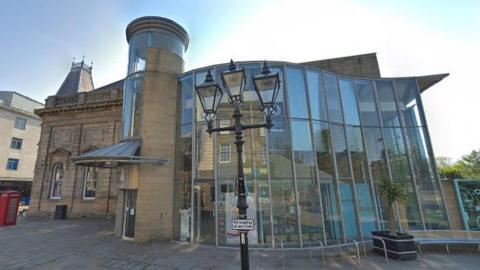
[41, 243]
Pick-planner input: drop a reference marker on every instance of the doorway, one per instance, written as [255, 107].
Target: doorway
[130, 202]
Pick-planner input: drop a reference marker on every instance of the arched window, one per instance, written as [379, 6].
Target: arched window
[57, 181]
[89, 183]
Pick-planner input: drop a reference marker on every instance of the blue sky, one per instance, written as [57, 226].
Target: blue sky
[39, 39]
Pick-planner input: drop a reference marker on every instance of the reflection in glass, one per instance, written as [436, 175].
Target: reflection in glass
[357, 154]
[279, 149]
[302, 149]
[321, 138]
[367, 103]
[388, 108]
[340, 150]
[407, 102]
[409, 211]
[310, 211]
[348, 208]
[333, 98]
[186, 100]
[132, 107]
[285, 226]
[397, 153]
[331, 216]
[422, 163]
[318, 106]
[349, 102]
[297, 99]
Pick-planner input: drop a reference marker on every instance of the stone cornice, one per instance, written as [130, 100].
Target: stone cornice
[79, 107]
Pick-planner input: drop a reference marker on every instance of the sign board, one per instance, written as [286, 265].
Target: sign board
[243, 224]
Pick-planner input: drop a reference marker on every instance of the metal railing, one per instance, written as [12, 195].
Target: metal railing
[383, 244]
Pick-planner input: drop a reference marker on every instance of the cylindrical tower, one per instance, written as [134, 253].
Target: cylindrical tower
[156, 47]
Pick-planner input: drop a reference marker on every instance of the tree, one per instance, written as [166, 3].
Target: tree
[393, 193]
[470, 165]
[467, 167]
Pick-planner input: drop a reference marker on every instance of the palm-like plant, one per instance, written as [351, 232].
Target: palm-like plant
[392, 193]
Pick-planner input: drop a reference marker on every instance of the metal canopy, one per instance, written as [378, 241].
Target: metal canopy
[425, 82]
[122, 153]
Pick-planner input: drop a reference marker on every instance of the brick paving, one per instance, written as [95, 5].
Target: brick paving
[90, 244]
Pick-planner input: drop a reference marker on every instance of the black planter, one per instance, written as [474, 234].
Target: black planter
[400, 246]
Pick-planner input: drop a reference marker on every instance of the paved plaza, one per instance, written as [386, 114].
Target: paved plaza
[90, 244]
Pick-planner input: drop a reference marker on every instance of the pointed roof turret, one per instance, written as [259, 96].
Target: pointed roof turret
[79, 79]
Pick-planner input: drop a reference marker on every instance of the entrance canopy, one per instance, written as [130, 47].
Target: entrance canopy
[122, 153]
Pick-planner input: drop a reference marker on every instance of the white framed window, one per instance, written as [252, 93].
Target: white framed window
[20, 123]
[225, 153]
[16, 143]
[57, 181]
[89, 183]
[224, 123]
[12, 164]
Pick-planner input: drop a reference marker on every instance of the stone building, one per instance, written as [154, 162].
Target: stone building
[340, 129]
[19, 135]
[76, 120]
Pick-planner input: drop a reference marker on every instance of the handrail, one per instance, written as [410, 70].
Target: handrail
[310, 249]
[384, 246]
[354, 242]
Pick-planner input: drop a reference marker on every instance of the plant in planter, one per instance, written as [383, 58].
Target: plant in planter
[400, 246]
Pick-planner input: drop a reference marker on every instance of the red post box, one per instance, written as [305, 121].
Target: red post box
[9, 201]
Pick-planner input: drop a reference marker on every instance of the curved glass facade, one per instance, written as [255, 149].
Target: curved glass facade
[313, 175]
[137, 60]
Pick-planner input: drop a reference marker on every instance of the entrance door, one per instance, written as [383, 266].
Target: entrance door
[129, 215]
[204, 210]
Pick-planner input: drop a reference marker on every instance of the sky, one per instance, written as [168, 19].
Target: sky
[38, 40]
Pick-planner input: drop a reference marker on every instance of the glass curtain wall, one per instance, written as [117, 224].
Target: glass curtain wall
[313, 176]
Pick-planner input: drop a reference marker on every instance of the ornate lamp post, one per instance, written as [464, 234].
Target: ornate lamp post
[266, 86]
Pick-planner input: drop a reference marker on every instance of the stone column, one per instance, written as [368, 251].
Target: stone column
[154, 217]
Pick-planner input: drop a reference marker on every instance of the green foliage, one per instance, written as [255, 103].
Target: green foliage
[392, 192]
[466, 168]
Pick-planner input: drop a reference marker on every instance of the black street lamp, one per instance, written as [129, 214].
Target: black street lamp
[267, 86]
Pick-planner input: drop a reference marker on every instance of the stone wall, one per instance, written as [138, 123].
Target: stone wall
[68, 131]
[364, 65]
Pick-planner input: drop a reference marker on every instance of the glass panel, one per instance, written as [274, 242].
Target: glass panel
[302, 149]
[367, 103]
[340, 149]
[258, 209]
[388, 108]
[333, 98]
[376, 157]
[317, 97]
[366, 207]
[321, 135]
[397, 153]
[348, 209]
[279, 149]
[409, 211]
[132, 106]
[357, 154]
[204, 152]
[182, 217]
[407, 102]
[285, 224]
[183, 156]
[296, 93]
[349, 102]
[422, 163]
[138, 52]
[204, 210]
[167, 41]
[310, 211]
[331, 215]
[186, 101]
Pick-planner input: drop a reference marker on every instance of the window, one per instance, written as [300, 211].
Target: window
[57, 181]
[12, 164]
[89, 183]
[225, 153]
[16, 143]
[20, 123]
[224, 123]
[262, 132]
